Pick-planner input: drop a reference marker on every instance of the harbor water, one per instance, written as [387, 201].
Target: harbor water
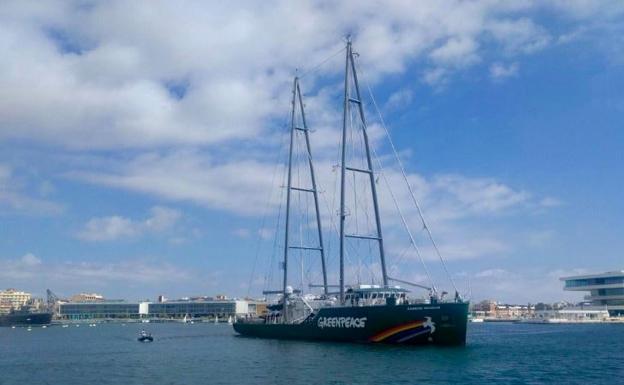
[212, 354]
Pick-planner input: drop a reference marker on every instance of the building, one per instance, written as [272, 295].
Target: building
[87, 297]
[98, 310]
[571, 314]
[12, 299]
[606, 289]
[498, 311]
[159, 310]
[485, 306]
[198, 309]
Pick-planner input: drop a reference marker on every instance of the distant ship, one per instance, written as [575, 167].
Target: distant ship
[376, 313]
[25, 318]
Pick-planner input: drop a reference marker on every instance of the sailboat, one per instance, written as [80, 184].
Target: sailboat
[372, 313]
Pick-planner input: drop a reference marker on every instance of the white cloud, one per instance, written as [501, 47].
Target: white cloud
[489, 273]
[435, 76]
[457, 52]
[519, 35]
[215, 78]
[162, 218]
[399, 99]
[30, 260]
[16, 196]
[205, 73]
[31, 273]
[589, 9]
[239, 186]
[481, 195]
[521, 286]
[499, 71]
[474, 248]
[116, 227]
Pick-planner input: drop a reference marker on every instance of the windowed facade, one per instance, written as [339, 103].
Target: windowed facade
[99, 310]
[605, 289]
[177, 309]
[195, 309]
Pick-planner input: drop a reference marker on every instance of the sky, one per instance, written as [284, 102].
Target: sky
[142, 144]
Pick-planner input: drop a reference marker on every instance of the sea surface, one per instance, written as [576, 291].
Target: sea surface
[212, 354]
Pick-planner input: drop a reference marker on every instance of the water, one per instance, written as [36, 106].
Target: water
[211, 354]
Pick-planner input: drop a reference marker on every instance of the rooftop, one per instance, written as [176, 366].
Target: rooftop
[616, 273]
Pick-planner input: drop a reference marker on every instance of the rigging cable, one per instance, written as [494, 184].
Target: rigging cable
[316, 67]
[268, 280]
[409, 232]
[409, 186]
[265, 214]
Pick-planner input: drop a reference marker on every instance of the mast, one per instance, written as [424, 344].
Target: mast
[288, 191]
[343, 214]
[370, 172]
[351, 73]
[313, 181]
[297, 100]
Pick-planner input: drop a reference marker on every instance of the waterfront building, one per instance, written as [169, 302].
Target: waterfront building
[198, 309]
[493, 310]
[605, 290]
[12, 299]
[571, 314]
[160, 310]
[98, 310]
[485, 306]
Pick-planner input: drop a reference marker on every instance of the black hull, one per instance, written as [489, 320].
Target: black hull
[25, 319]
[437, 324]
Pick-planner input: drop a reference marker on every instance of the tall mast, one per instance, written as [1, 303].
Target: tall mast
[288, 191]
[297, 100]
[314, 191]
[343, 214]
[351, 73]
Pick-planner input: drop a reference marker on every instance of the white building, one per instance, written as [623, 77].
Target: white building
[164, 310]
[606, 289]
[12, 299]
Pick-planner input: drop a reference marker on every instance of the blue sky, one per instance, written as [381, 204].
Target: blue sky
[139, 143]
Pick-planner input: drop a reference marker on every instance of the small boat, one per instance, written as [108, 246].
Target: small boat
[145, 337]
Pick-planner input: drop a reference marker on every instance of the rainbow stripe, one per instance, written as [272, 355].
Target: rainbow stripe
[403, 332]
